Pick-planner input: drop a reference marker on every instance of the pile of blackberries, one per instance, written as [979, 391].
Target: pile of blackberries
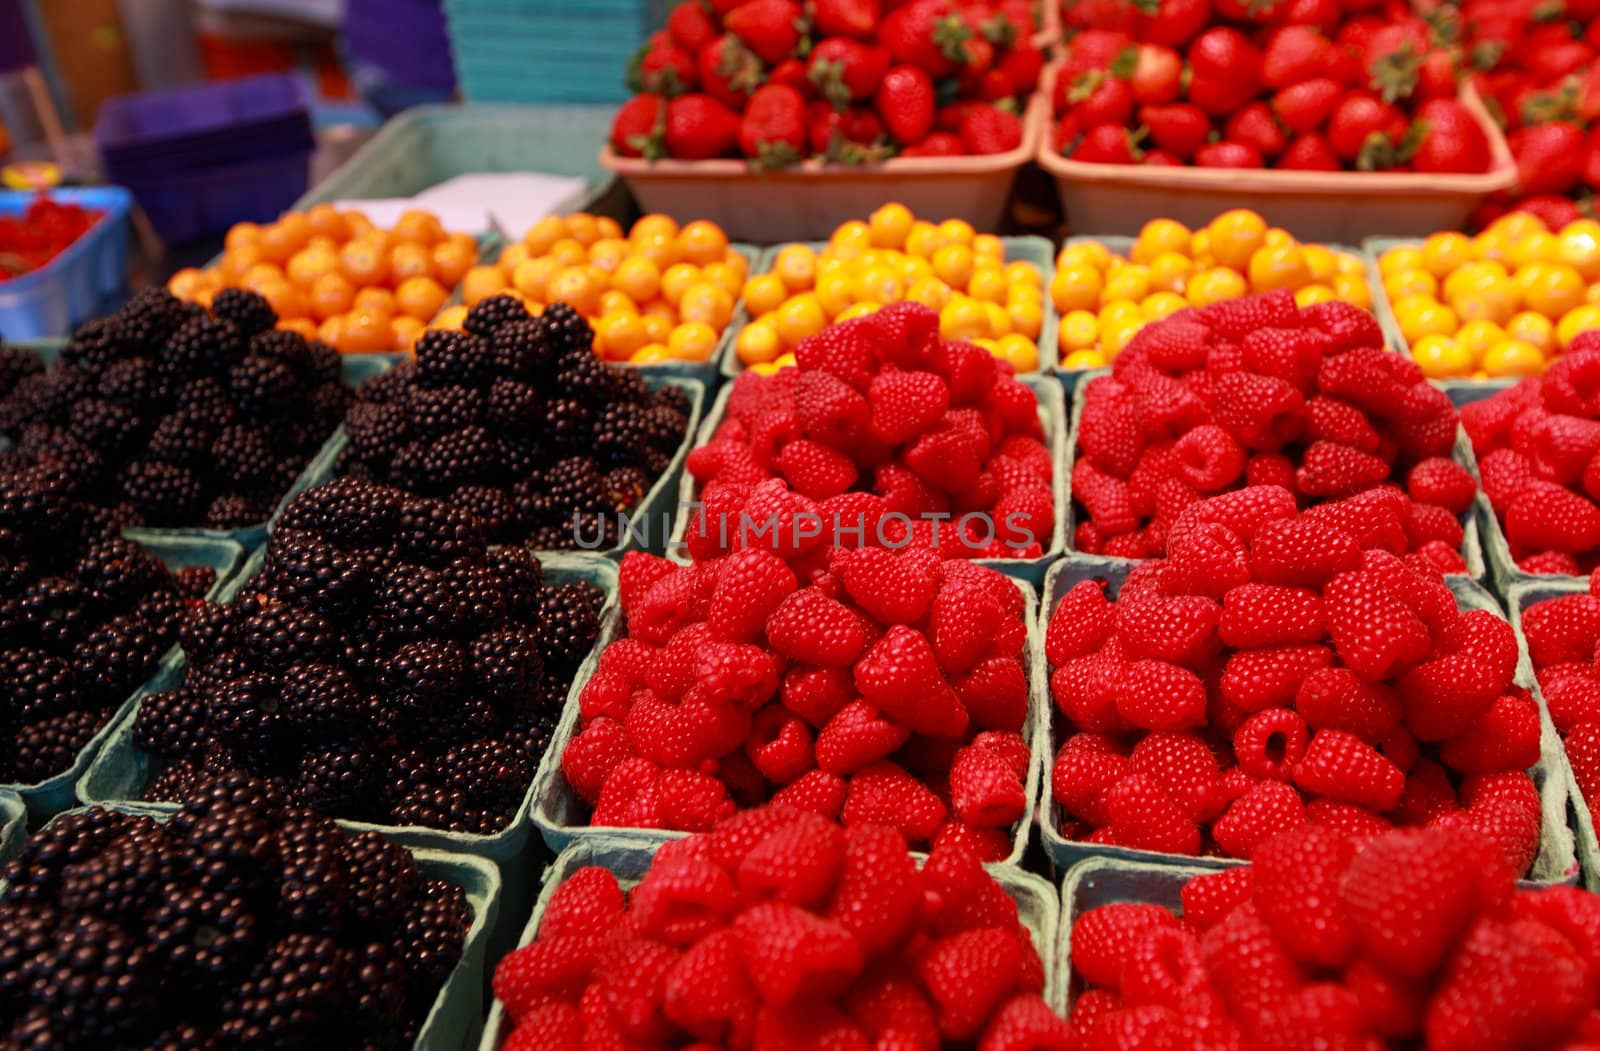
[385, 665]
[240, 923]
[515, 419]
[175, 416]
[85, 617]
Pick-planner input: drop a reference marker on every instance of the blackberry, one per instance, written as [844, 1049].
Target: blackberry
[176, 781]
[147, 319]
[206, 632]
[326, 407]
[132, 383]
[512, 406]
[673, 398]
[57, 610]
[57, 448]
[568, 426]
[250, 313]
[451, 359]
[171, 724]
[436, 533]
[163, 494]
[575, 484]
[120, 570]
[491, 506]
[519, 350]
[507, 666]
[15, 365]
[591, 531]
[195, 582]
[292, 996]
[524, 453]
[204, 936]
[182, 439]
[263, 388]
[35, 501]
[405, 467]
[490, 314]
[465, 457]
[34, 875]
[163, 610]
[569, 622]
[389, 387]
[322, 700]
[376, 431]
[628, 387]
[378, 979]
[246, 716]
[479, 596]
[493, 774]
[625, 488]
[435, 412]
[27, 932]
[288, 347]
[654, 462]
[565, 332]
[235, 511]
[120, 881]
[581, 377]
[52, 745]
[95, 980]
[206, 401]
[230, 848]
[44, 397]
[115, 657]
[182, 1036]
[552, 538]
[242, 453]
[226, 789]
[326, 364]
[445, 809]
[314, 872]
[202, 346]
[531, 731]
[463, 720]
[37, 685]
[103, 425]
[303, 569]
[424, 676]
[347, 511]
[622, 433]
[416, 602]
[95, 346]
[221, 669]
[521, 578]
[433, 932]
[341, 780]
[383, 880]
[279, 636]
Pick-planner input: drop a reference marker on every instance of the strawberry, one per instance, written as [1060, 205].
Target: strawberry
[927, 34]
[1154, 73]
[846, 70]
[989, 130]
[1181, 128]
[663, 66]
[905, 102]
[1099, 98]
[1254, 126]
[1363, 129]
[1106, 144]
[847, 18]
[1020, 66]
[1549, 157]
[1225, 71]
[1171, 22]
[767, 27]
[639, 125]
[1453, 141]
[691, 26]
[1305, 106]
[773, 131]
[1294, 53]
[1309, 153]
[700, 128]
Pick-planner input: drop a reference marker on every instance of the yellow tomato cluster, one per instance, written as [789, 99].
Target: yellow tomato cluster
[1504, 303]
[660, 293]
[1104, 298]
[895, 257]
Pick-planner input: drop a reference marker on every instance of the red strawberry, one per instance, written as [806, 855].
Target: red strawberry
[729, 71]
[849, 18]
[846, 70]
[638, 127]
[1172, 22]
[691, 26]
[700, 128]
[1225, 71]
[1106, 144]
[1293, 54]
[1453, 141]
[1305, 106]
[905, 101]
[1181, 127]
[1254, 126]
[1154, 73]
[928, 34]
[773, 131]
[1021, 65]
[663, 66]
[1363, 128]
[1309, 153]
[1227, 154]
[767, 27]
[989, 130]
[1549, 157]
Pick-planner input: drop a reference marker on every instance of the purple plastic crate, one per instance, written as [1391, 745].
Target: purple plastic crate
[406, 39]
[224, 123]
[16, 46]
[208, 201]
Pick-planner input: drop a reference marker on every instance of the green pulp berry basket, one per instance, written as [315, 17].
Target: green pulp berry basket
[1038, 906]
[13, 824]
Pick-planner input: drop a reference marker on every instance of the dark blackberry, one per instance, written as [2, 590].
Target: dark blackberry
[44, 397]
[291, 998]
[568, 426]
[552, 538]
[675, 398]
[424, 676]
[181, 1036]
[115, 657]
[57, 448]
[288, 347]
[479, 596]
[230, 848]
[103, 425]
[625, 487]
[263, 388]
[94, 346]
[326, 407]
[492, 507]
[250, 313]
[16, 363]
[378, 981]
[521, 578]
[575, 484]
[388, 387]
[445, 809]
[303, 569]
[314, 872]
[37, 685]
[383, 881]
[622, 434]
[181, 439]
[512, 407]
[279, 636]
[57, 611]
[147, 319]
[174, 783]
[120, 570]
[416, 602]
[131, 383]
[120, 881]
[242, 453]
[376, 431]
[564, 332]
[195, 582]
[34, 874]
[493, 774]
[27, 932]
[235, 511]
[490, 314]
[507, 666]
[524, 453]
[172, 724]
[405, 467]
[35, 501]
[221, 669]
[202, 346]
[569, 622]
[163, 494]
[246, 715]
[322, 701]
[347, 511]
[164, 611]
[342, 780]
[95, 980]
[433, 932]
[581, 377]
[436, 533]
[326, 364]
[628, 387]
[206, 401]
[519, 350]
[531, 731]
[203, 936]
[51, 746]
[226, 788]
[432, 412]
[466, 457]
[451, 359]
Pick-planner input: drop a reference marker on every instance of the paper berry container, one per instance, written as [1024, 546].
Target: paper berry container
[1038, 906]
[1037, 252]
[1052, 415]
[1473, 539]
[1317, 206]
[13, 824]
[1519, 597]
[1556, 862]
[50, 797]
[456, 1017]
[808, 201]
[562, 818]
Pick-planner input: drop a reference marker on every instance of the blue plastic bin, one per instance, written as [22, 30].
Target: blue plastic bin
[73, 286]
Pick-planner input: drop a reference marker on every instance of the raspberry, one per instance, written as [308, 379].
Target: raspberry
[1270, 744]
[1268, 808]
[1409, 925]
[1506, 738]
[1296, 890]
[1208, 898]
[682, 898]
[1103, 938]
[1156, 695]
[1340, 422]
[1185, 767]
[1549, 517]
[877, 897]
[797, 864]
[1551, 563]
[894, 589]
[708, 992]
[1563, 446]
[1328, 469]
[855, 737]
[1373, 631]
[985, 790]
[973, 376]
[1085, 769]
[900, 676]
[1506, 475]
[1180, 630]
[1244, 511]
[905, 404]
[1371, 378]
[830, 410]
[1026, 1023]
[1208, 560]
[889, 1003]
[1289, 354]
[791, 953]
[817, 694]
[968, 975]
[752, 584]
[1179, 345]
[1248, 968]
[591, 756]
[1573, 696]
[1260, 412]
[1446, 695]
[1347, 327]
[904, 333]
[1441, 481]
[1109, 434]
[1145, 817]
[1504, 825]
[1104, 497]
[1261, 615]
[1565, 628]
[1209, 459]
[1236, 318]
[589, 901]
[995, 694]
[780, 745]
[814, 469]
[885, 794]
[691, 801]
[1508, 984]
[962, 624]
[1337, 698]
[1342, 766]
[1256, 679]
[553, 1025]
[811, 628]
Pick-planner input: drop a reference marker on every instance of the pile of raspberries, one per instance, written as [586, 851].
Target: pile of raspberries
[889, 690]
[1256, 391]
[1276, 671]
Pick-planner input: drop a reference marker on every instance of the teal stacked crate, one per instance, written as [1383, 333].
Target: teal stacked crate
[1038, 907]
[1557, 859]
[13, 824]
[548, 50]
[456, 1018]
[121, 771]
[55, 794]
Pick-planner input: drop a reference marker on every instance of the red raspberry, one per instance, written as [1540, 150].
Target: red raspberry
[1109, 433]
[885, 794]
[1256, 679]
[1337, 698]
[637, 573]
[1506, 475]
[995, 694]
[905, 404]
[1328, 469]
[811, 628]
[780, 745]
[1269, 469]
[1488, 421]
[1156, 695]
[552, 1025]
[906, 333]
[1185, 767]
[1247, 966]
[550, 968]
[985, 789]
[1550, 563]
[845, 351]
[589, 902]
[1340, 422]
[682, 898]
[740, 674]
[1571, 693]
[1103, 939]
[736, 837]
[1570, 911]
[673, 602]
[1292, 355]
[1565, 628]
[589, 758]
[1208, 898]
[1347, 327]
[1270, 744]
[1342, 766]
[1164, 969]
[1085, 769]
[1261, 615]
[792, 954]
[1236, 318]
[1408, 926]
[1268, 808]
[1179, 630]
[893, 588]
[708, 992]
[968, 975]
[1086, 691]
[960, 895]
[1426, 423]
[1090, 1005]
[830, 410]
[1026, 1023]
[1374, 632]
[852, 519]
[817, 791]
[1431, 524]
[1563, 446]
[1446, 695]
[1509, 984]
[1374, 518]
[797, 864]
[970, 371]
[817, 694]
[686, 734]
[1440, 480]
[1145, 817]
[1358, 823]
[1025, 518]
[1209, 560]
[889, 1006]
[1506, 738]
[1296, 893]
[855, 737]
[900, 676]
[1549, 517]
[948, 458]
[1504, 825]
[806, 1024]
[692, 801]
[1261, 412]
[1104, 497]
[1177, 345]
[1243, 510]
[1167, 406]
[814, 469]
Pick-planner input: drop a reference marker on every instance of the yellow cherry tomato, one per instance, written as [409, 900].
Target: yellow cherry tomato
[1076, 286]
[835, 291]
[1158, 237]
[1158, 305]
[963, 318]
[1215, 285]
[1476, 337]
[618, 336]
[1517, 225]
[1083, 359]
[1579, 319]
[758, 342]
[923, 239]
[857, 310]
[999, 320]
[1441, 357]
[800, 317]
[1113, 339]
[797, 265]
[1411, 283]
[1314, 293]
[1235, 236]
[1079, 330]
[889, 226]
[765, 293]
[1420, 315]
[957, 232]
[614, 302]
[953, 264]
[655, 353]
[1278, 266]
[692, 341]
[1534, 328]
[988, 246]
[988, 284]
[678, 279]
[851, 239]
[1027, 319]
[1122, 312]
[1513, 357]
[930, 292]
[878, 284]
[703, 243]
[708, 303]
[1401, 257]
[1020, 351]
[1169, 272]
[1321, 262]
[1538, 247]
[1130, 282]
[1554, 290]
[1578, 246]
[1352, 289]
[1020, 273]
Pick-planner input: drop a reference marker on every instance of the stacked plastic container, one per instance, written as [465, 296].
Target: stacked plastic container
[199, 159]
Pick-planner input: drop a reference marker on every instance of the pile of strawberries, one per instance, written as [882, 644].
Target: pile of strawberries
[888, 689]
[1333, 939]
[1307, 85]
[1563, 634]
[1256, 391]
[882, 435]
[1275, 670]
[1538, 449]
[781, 930]
[850, 81]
